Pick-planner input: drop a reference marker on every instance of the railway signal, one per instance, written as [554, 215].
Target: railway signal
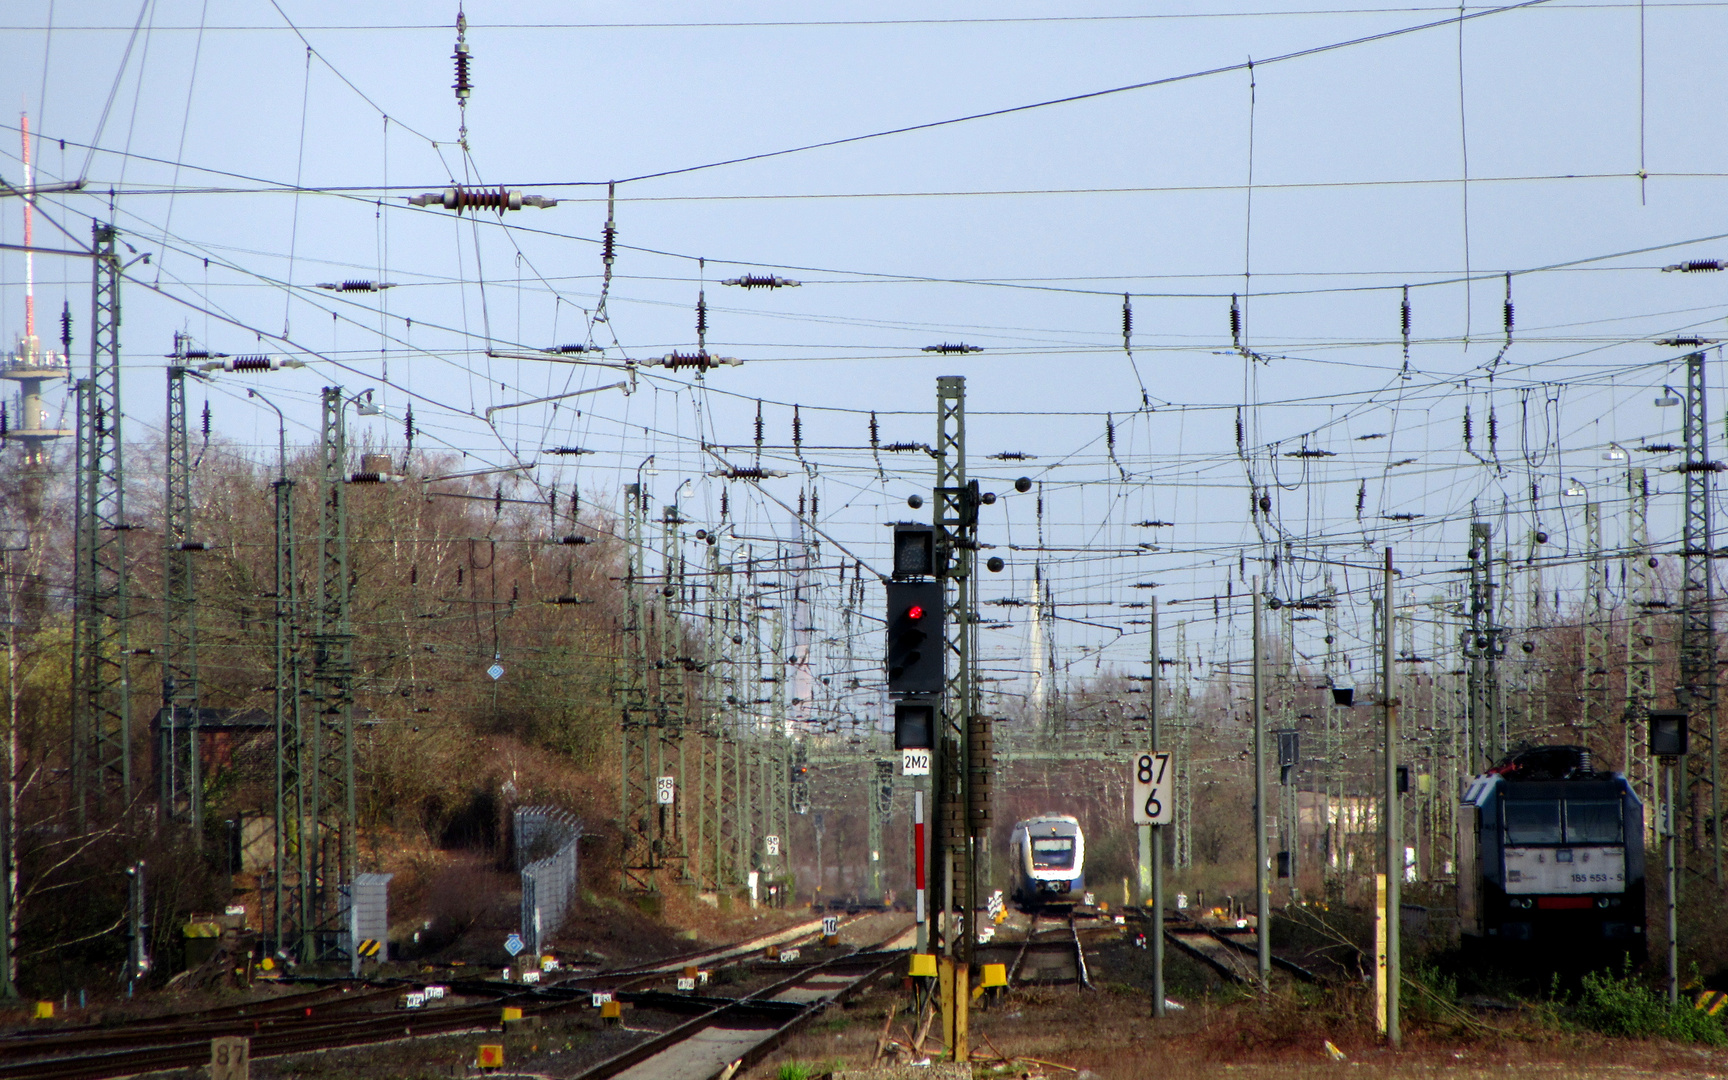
[915, 724]
[915, 651]
[1668, 731]
[914, 550]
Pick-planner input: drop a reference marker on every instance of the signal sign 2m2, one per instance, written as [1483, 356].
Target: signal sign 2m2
[1153, 778]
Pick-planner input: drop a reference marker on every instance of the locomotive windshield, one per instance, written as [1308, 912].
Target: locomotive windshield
[1536, 822]
[1052, 852]
[1574, 821]
[1594, 822]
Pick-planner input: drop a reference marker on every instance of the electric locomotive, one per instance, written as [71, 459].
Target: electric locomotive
[1551, 859]
[1047, 859]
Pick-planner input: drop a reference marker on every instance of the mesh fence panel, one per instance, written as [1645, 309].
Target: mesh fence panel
[546, 840]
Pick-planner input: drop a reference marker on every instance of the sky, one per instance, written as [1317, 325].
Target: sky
[1556, 154]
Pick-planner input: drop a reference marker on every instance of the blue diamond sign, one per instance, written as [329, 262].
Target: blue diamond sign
[513, 944]
[496, 671]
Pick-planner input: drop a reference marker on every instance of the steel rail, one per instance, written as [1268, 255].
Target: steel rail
[775, 1019]
[1079, 952]
[195, 1051]
[175, 1028]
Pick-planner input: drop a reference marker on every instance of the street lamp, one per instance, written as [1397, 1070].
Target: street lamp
[281, 434]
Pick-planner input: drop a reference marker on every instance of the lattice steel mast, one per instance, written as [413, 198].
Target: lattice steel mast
[1698, 635]
[101, 766]
[1482, 645]
[669, 705]
[1640, 643]
[179, 779]
[636, 790]
[962, 783]
[332, 843]
[1593, 703]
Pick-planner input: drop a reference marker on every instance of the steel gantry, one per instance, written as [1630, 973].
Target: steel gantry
[1699, 791]
[101, 765]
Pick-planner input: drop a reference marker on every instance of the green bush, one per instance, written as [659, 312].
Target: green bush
[1620, 1005]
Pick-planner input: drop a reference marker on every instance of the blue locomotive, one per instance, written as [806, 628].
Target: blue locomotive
[1551, 860]
[1047, 860]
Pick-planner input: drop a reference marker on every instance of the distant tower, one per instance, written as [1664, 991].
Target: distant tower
[28, 364]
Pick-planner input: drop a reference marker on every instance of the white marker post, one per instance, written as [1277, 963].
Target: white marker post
[1153, 775]
[918, 870]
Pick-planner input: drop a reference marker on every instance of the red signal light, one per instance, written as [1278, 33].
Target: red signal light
[915, 612]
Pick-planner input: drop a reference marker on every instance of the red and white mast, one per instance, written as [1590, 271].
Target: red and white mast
[29, 233]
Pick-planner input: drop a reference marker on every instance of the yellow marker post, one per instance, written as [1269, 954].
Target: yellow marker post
[1380, 954]
[945, 998]
[44, 1010]
[611, 1012]
[511, 1012]
[962, 1043]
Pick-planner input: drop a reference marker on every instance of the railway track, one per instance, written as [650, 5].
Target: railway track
[731, 1034]
[721, 956]
[345, 1014]
[189, 1047]
[1233, 952]
[1051, 956]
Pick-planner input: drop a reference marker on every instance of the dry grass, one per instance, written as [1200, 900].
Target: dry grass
[1108, 1034]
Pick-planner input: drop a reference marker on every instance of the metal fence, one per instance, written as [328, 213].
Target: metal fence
[546, 840]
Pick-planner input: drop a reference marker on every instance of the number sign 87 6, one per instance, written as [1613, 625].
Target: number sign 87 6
[1153, 776]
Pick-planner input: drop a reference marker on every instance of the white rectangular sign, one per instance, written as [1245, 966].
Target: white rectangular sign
[914, 763]
[771, 843]
[665, 788]
[1153, 776]
[1565, 870]
[830, 925]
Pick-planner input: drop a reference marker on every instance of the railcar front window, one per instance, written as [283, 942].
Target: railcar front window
[1052, 853]
[1594, 822]
[1536, 822]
